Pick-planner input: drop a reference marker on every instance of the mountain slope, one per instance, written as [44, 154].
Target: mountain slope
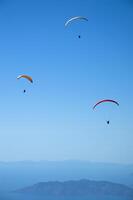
[78, 188]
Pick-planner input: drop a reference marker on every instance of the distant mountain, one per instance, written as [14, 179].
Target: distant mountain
[20, 174]
[78, 188]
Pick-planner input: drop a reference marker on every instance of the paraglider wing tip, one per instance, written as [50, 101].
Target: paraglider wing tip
[93, 107]
[18, 77]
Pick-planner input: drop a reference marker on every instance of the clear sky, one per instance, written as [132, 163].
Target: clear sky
[54, 119]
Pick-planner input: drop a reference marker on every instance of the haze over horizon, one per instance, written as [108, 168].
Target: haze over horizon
[66, 161]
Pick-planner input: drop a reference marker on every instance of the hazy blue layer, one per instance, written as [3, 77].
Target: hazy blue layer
[30, 197]
[22, 174]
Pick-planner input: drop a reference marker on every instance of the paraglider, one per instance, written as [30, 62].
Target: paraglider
[29, 78]
[74, 19]
[106, 101]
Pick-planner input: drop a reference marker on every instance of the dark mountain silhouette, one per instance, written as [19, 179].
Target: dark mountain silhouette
[78, 188]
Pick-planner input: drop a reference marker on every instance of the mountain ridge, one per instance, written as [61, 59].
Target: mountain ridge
[83, 187]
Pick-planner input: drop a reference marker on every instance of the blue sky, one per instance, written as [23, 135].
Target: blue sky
[54, 120]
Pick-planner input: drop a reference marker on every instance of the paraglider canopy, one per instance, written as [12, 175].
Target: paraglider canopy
[29, 78]
[104, 101]
[75, 18]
